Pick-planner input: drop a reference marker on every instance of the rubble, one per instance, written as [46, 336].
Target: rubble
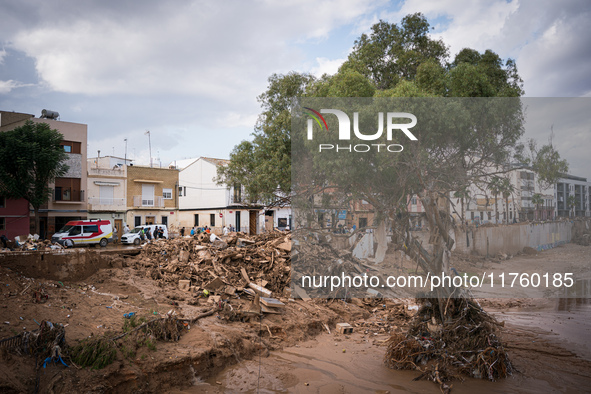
[28, 243]
[228, 264]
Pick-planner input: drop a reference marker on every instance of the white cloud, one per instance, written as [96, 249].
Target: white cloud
[326, 66]
[217, 50]
[9, 85]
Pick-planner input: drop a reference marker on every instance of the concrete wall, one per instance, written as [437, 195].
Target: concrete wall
[512, 239]
[62, 265]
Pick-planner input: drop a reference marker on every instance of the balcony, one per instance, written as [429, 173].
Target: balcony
[105, 204]
[114, 172]
[67, 195]
[148, 202]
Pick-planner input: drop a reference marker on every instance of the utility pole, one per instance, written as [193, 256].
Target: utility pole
[149, 145]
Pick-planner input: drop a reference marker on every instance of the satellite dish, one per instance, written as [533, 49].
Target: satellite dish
[47, 114]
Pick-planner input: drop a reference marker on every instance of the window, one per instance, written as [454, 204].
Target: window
[137, 221]
[106, 194]
[148, 195]
[212, 220]
[362, 222]
[196, 222]
[165, 220]
[91, 229]
[2, 202]
[167, 194]
[182, 191]
[67, 189]
[71, 146]
[237, 193]
[2, 223]
[413, 200]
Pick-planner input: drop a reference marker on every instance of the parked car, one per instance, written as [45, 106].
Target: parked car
[85, 232]
[133, 237]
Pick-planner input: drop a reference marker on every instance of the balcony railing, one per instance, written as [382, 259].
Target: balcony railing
[102, 203]
[106, 171]
[148, 202]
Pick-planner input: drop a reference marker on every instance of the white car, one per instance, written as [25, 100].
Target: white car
[133, 237]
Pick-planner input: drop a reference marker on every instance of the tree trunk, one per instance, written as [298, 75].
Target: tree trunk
[382, 241]
[496, 210]
[37, 224]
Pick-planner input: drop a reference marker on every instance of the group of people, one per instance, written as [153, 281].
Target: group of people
[145, 233]
[206, 229]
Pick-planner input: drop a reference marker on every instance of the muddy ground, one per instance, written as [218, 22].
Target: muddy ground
[288, 352]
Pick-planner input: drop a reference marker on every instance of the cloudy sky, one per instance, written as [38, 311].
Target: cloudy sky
[190, 71]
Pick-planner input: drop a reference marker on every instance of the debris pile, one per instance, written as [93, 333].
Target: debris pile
[27, 243]
[223, 265]
[465, 344]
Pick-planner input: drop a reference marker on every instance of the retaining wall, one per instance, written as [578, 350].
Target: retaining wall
[513, 238]
[69, 264]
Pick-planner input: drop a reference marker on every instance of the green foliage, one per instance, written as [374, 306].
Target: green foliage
[30, 159]
[392, 61]
[546, 162]
[263, 167]
[94, 353]
[392, 53]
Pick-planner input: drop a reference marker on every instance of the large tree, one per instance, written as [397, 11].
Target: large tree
[31, 157]
[263, 167]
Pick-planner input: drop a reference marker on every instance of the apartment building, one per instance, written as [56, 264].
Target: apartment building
[107, 190]
[152, 196]
[202, 202]
[68, 200]
[572, 194]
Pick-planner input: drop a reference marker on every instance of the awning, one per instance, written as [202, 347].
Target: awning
[147, 181]
[105, 183]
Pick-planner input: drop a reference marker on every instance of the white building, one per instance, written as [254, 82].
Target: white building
[480, 205]
[202, 202]
[572, 194]
[107, 190]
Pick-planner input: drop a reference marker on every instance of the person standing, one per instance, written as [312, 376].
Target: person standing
[182, 232]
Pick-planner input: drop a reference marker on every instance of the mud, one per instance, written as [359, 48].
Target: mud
[546, 340]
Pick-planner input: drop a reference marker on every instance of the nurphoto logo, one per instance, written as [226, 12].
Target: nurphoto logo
[345, 130]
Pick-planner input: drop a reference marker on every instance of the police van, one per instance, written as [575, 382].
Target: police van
[85, 232]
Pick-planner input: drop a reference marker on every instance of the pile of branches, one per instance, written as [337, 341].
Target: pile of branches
[464, 344]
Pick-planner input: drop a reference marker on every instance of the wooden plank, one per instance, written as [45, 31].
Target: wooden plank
[301, 293]
[244, 275]
[272, 302]
[214, 284]
[266, 309]
[260, 290]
